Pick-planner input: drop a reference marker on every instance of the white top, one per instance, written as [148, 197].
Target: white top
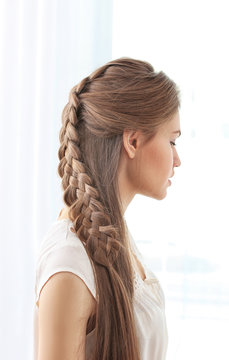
[61, 250]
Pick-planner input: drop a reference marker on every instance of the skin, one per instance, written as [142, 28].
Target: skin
[65, 303]
[145, 168]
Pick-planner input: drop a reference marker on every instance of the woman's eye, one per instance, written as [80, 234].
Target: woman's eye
[172, 143]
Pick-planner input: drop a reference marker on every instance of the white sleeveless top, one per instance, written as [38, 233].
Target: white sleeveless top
[61, 250]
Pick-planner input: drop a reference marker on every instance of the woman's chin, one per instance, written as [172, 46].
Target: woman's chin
[161, 195]
[158, 196]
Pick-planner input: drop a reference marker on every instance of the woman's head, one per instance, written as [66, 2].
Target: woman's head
[121, 98]
[146, 166]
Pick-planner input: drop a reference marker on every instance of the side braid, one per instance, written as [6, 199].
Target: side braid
[91, 224]
[69, 114]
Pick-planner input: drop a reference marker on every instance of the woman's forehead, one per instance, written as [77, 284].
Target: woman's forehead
[173, 125]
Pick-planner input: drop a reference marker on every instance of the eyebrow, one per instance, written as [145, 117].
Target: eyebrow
[177, 131]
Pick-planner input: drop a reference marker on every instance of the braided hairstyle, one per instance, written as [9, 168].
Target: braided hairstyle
[123, 94]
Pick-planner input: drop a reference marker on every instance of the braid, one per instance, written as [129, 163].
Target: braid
[70, 113]
[91, 223]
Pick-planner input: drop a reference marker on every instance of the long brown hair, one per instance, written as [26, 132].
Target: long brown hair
[123, 94]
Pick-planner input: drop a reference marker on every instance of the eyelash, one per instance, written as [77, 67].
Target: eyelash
[172, 143]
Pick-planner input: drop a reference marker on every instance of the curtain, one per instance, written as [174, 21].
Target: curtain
[46, 47]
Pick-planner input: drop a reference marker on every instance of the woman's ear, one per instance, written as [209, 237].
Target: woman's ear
[131, 142]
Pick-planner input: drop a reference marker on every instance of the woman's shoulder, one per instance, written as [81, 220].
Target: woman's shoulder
[59, 233]
[61, 250]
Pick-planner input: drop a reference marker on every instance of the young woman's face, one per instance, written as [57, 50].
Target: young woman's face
[155, 161]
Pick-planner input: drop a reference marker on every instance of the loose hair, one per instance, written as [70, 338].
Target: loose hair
[123, 94]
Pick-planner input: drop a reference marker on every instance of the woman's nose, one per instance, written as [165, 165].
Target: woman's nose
[176, 160]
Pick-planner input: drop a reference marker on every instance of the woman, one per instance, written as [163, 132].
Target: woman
[96, 299]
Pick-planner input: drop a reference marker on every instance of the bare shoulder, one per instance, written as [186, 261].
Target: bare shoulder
[65, 306]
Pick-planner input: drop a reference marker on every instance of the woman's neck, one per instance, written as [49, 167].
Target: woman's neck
[63, 213]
